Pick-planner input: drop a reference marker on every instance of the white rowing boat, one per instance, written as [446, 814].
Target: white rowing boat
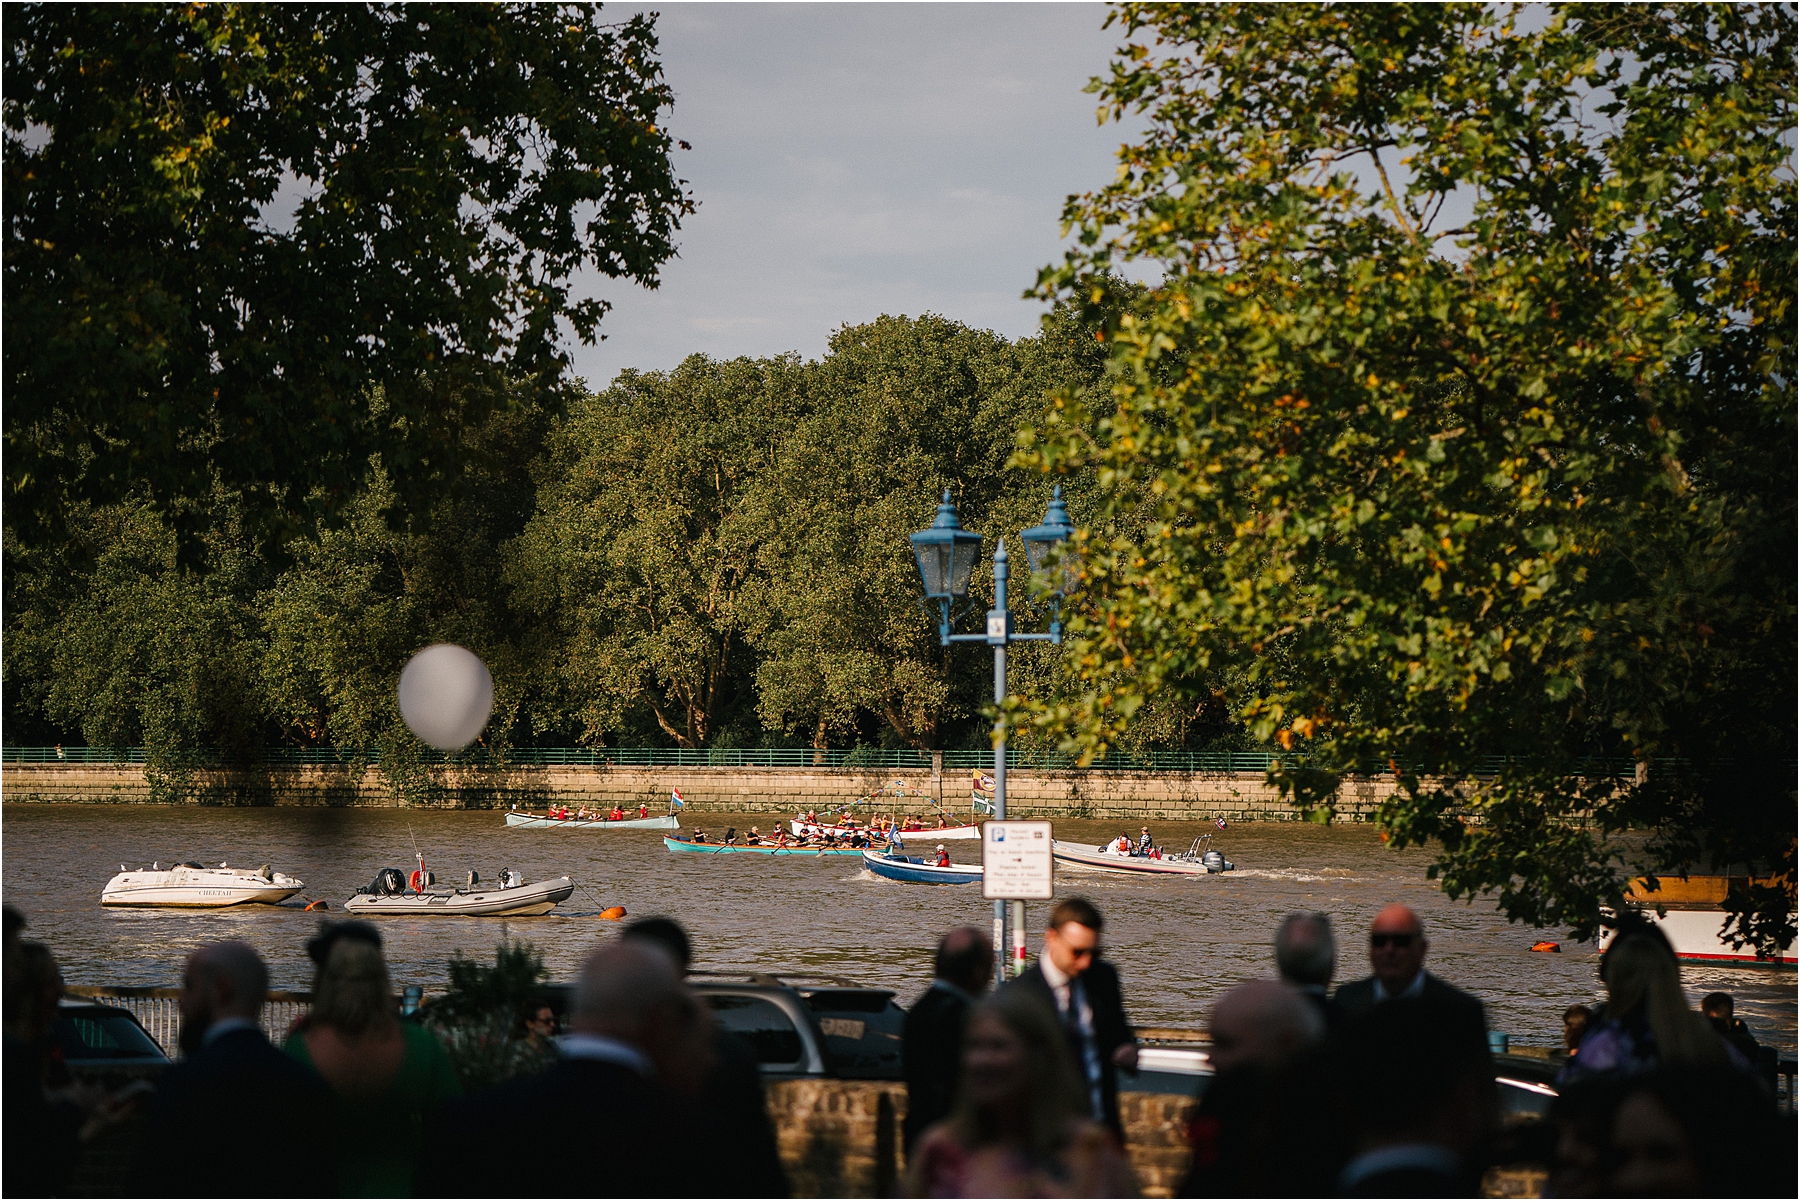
[802, 828]
[516, 820]
[191, 886]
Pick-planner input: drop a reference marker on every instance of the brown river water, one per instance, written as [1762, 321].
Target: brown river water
[1178, 943]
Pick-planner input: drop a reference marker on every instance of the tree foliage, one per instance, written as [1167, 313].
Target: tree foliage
[229, 226]
[1461, 425]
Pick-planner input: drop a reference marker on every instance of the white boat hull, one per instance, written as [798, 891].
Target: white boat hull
[197, 888]
[524, 900]
[533, 821]
[1694, 933]
[1081, 855]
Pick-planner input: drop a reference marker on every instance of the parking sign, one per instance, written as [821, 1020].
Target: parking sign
[1015, 861]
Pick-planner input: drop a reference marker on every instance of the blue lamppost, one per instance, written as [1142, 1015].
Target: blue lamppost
[946, 555]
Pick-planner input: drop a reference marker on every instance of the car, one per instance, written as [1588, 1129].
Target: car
[105, 1043]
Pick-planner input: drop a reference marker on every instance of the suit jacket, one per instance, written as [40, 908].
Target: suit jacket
[1112, 1029]
[239, 1117]
[581, 1128]
[931, 1051]
[733, 1119]
[1357, 997]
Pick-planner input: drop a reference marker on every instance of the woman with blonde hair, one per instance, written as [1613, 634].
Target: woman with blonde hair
[1647, 1022]
[1018, 1127]
[387, 1074]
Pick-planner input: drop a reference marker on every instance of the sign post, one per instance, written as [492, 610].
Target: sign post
[1016, 866]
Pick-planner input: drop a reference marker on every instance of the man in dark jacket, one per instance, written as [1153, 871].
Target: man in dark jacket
[611, 1118]
[1083, 991]
[1397, 948]
[932, 1050]
[208, 1131]
[732, 1114]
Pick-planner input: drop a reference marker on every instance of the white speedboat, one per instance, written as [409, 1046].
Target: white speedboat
[191, 886]
[520, 820]
[1195, 861]
[512, 897]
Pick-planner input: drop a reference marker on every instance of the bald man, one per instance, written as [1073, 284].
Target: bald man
[204, 1137]
[1397, 947]
[606, 1117]
[932, 1046]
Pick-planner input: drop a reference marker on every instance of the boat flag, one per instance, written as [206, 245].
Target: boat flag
[981, 804]
[1219, 822]
[675, 801]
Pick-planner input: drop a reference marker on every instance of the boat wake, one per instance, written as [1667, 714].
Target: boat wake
[1300, 875]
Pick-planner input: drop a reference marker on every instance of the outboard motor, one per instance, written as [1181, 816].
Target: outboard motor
[389, 882]
[1213, 861]
[474, 878]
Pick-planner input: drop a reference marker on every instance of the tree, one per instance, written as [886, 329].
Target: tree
[1459, 440]
[902, 408]
[645, 547]
[229, 227]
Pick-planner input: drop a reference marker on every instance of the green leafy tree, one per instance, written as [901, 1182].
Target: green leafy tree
[643, 555]
[229, 226]
[1461, 426]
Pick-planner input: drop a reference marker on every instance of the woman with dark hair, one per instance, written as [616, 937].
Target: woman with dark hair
[387, 1074]
[1017, 1128]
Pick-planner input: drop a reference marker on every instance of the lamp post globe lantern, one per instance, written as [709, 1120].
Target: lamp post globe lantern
[1046, 536]
[945, 555]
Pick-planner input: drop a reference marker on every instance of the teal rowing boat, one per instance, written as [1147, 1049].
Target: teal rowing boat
[719, 848]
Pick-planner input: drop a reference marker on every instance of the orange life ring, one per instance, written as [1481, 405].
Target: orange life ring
[417, 881]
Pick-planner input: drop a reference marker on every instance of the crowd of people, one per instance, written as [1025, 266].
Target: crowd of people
[617, 813]
[1382, 1087]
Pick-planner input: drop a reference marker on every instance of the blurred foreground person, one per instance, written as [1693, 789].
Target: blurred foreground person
[732, 1111]
[612, 1117]
[932, 1049]
[1397, 947]
[1019, 1126]
[1415, 1084]
[1306, 957]
[42, 1119]
[1082, 990]
[1700, 1132]
[1576, 1019]
[387, 1075]
[1258, 1030]
[1646, 1022]
[235, 1110]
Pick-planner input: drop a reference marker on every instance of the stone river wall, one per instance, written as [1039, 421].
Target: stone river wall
[1131, 795]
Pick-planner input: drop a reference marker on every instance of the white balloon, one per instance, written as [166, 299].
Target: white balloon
[446, 696]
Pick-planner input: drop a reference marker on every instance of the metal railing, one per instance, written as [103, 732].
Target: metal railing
[877, 758]
[158, 1010]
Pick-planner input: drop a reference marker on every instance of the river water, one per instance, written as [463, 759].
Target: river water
[1178, 943]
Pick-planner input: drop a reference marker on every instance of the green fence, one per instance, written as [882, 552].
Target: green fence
[959, 761]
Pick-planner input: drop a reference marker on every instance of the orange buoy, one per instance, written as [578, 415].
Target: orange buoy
[1547, 946]
[614, 914]
[312, 905]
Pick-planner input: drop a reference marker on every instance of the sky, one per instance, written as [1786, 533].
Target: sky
[852, 160]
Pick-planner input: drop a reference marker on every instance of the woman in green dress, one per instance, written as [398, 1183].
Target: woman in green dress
[388, 1075]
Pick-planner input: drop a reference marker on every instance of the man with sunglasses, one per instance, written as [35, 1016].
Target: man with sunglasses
[1397, 946]
[1082, 990]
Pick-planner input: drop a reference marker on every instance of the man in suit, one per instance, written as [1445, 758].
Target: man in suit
[1397, 948]
[932, 1046]
[1415, 1080]
[208, 1132]
[733, 1108]
[1083, 991]
[612, 1117]
[1306, 957]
